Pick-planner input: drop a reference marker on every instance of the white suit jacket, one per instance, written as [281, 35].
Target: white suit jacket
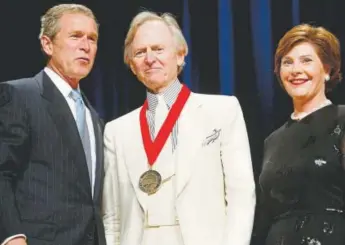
[215, 190]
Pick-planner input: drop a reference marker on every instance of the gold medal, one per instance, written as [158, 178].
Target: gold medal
[150, 181]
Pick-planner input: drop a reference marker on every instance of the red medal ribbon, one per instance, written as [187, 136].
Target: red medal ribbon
[153, 148]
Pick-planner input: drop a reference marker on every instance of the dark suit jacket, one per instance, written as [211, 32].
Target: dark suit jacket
[45, 192]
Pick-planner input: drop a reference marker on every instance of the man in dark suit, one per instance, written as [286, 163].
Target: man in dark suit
[51, 156]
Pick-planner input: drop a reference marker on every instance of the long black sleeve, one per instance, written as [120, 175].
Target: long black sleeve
[14, 155]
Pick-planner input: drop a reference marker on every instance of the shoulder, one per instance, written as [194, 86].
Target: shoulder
[275, 134]
[215, 98]
[218, 110]
[222, 102]
[22, 88]
[123, 121]
[16, 89]
[339, 116]
[219, 107]
[341, 111]
[21, 84]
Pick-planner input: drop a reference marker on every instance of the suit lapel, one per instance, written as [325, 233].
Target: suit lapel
[62, 117]
[189, 141]
[136, 158]
[190, 137]
[99, 151]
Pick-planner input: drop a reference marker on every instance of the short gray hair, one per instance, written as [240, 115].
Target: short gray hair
[50, 20]
[166, 18]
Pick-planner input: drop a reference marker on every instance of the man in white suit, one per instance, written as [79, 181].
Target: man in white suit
[178, 169]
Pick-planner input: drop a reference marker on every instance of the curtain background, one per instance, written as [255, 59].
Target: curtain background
[231, 42]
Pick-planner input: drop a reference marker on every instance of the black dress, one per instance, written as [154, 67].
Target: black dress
[303, 181]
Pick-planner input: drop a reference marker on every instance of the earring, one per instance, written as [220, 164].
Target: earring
[327, 78]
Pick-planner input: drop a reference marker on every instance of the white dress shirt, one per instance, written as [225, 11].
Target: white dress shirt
[170, 95]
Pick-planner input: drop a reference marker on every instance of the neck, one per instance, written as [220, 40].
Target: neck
[307, 106]
[73, 82]
[162, 89]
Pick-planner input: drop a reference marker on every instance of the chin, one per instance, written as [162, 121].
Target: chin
[152, 83]
[82, 74]
[298, 92]
[299, 96]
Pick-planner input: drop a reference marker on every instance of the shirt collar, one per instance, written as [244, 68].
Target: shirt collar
[170, 94]
[60, 83]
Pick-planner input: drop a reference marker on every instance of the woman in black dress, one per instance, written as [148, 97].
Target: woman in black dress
[303, 174]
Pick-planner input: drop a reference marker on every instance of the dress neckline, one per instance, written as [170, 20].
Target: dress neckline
[315, 113]
[304, 114]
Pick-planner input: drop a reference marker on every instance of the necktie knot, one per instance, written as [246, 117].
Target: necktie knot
[75, 95]
[80, 110]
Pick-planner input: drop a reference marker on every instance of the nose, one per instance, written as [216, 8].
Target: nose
[84, 44]
[150, 57]
[296, 68]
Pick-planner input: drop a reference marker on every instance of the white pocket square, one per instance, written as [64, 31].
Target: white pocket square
[212, 138]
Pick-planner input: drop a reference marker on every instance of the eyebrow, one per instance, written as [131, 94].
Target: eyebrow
[151, 46]
[139, 49]
[92, 34]
[301, 56]
[306, 55]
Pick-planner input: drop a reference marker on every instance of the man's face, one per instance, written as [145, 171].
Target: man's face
[72, 51]
[154, 56]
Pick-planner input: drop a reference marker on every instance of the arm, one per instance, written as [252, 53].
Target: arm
[110, 203]
[14, 152]
[263, 216]
[238, 176]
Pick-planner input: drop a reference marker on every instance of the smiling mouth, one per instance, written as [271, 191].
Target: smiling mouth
[298, 81]
[152, 68]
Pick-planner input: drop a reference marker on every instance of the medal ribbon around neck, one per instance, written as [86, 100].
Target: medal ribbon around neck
[154, 147]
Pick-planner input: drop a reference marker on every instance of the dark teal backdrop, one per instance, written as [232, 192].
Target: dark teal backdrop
[231, 44]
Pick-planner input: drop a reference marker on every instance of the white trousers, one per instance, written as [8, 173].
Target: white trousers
[165, 235]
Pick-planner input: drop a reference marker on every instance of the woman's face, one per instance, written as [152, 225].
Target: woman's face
[302, 73]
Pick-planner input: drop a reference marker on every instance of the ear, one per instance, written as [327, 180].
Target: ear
[180, 59]
[327, 70]
[327, 78]
[47, 45]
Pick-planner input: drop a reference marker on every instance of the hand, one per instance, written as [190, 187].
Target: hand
[17, 241]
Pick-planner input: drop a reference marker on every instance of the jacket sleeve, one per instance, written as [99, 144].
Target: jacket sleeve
[14, 155]
[238, 175]
[110, 203]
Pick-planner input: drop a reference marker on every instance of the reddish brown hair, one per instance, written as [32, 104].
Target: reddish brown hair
[325, 43]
